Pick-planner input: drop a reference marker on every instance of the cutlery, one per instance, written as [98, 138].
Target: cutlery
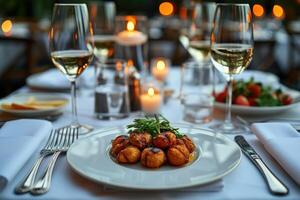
[26, 184]
[43, 185]
[293, 122]
[275, 185]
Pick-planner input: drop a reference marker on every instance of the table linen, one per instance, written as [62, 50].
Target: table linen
[244, 183]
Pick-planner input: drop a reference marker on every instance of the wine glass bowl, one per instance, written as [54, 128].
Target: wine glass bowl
[231, 45]
[102, 15]
[70, 49]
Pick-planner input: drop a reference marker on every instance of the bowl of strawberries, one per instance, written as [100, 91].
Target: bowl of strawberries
[255, 98]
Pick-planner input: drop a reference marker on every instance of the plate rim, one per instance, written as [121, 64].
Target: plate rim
[116, 185]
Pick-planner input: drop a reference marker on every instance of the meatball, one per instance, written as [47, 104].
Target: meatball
[178, 155]
[164, 140]
[130, 154]
[153, 157]
[118, 144]
[185, 140]
[140, 140]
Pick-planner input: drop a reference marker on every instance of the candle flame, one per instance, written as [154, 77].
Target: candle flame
[119, 65]
[130, 26]
[6, 26]
[160, 65]
[130, 63]
[151, 92]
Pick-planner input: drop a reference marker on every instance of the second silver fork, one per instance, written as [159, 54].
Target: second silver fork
[26, 184]
[43, 185]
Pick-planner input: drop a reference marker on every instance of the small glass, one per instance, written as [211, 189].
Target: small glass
[131, 33]
[111, 93]
[151, 97]
[196, 92]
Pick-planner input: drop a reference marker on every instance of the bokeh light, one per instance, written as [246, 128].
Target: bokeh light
[258, 10]
[278, 11]
[6, 26]
[166, 8]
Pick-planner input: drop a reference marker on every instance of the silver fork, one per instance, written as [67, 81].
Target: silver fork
[43, 185]
[26, 184]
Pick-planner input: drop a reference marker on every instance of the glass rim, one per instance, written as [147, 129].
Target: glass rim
[69, 4]
[114, 61]
[196, 64]
[206, 3]
[232, 4]
[138, 17]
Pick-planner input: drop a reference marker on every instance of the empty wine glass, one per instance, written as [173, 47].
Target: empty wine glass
[231, 50]
[70, 50]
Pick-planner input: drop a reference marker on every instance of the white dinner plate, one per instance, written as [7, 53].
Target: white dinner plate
[216, 156]
[23, 97]
[260, 111]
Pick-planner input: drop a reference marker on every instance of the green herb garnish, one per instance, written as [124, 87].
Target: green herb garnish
[153, 125]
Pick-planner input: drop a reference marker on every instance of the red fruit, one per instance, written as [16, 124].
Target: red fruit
[286, 100]
[252, 101]
[241, 100]
[254, 90]
[221, 97]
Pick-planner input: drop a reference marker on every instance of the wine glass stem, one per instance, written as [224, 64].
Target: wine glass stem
[229, 100]
[74, 105]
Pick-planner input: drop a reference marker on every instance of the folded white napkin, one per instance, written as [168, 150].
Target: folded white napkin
[19, 139]
[282, 141]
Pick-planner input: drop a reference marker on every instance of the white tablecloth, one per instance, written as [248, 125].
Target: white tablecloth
[245, 182]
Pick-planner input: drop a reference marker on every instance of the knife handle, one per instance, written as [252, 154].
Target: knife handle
[274, 184]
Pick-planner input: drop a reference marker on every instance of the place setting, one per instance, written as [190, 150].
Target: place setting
[141, 106]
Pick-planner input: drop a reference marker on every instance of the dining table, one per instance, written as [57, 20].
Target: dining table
[244, 182]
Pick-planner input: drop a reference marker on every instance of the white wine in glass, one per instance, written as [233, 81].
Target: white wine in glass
[231, 58]
[103, 47]
[231, 51]
[71, 62]
[71, 52]
[200, 50]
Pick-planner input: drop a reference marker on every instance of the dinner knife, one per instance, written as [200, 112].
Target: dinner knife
[274, 184]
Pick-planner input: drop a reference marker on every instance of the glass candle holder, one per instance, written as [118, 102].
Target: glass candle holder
[131, 33]
[160, 68]
[151, 98]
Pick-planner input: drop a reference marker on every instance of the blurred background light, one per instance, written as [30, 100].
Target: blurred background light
[6, 26]
[166, 8]
[258, 10]
[278, 11]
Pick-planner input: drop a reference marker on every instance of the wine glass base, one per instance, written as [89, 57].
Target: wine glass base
[82, 128]
[229, 128]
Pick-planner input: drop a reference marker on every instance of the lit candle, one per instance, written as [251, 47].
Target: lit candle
[151, 100]
[160, 69]
[131, 36]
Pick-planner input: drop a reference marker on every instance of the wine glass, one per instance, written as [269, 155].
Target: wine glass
[102, 15]
[200, 30]
[231, 50]
[70, 49]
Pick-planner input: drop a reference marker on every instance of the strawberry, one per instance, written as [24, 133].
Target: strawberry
[286, 100]
[254, 89]
[221, 97]
[241, 100]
